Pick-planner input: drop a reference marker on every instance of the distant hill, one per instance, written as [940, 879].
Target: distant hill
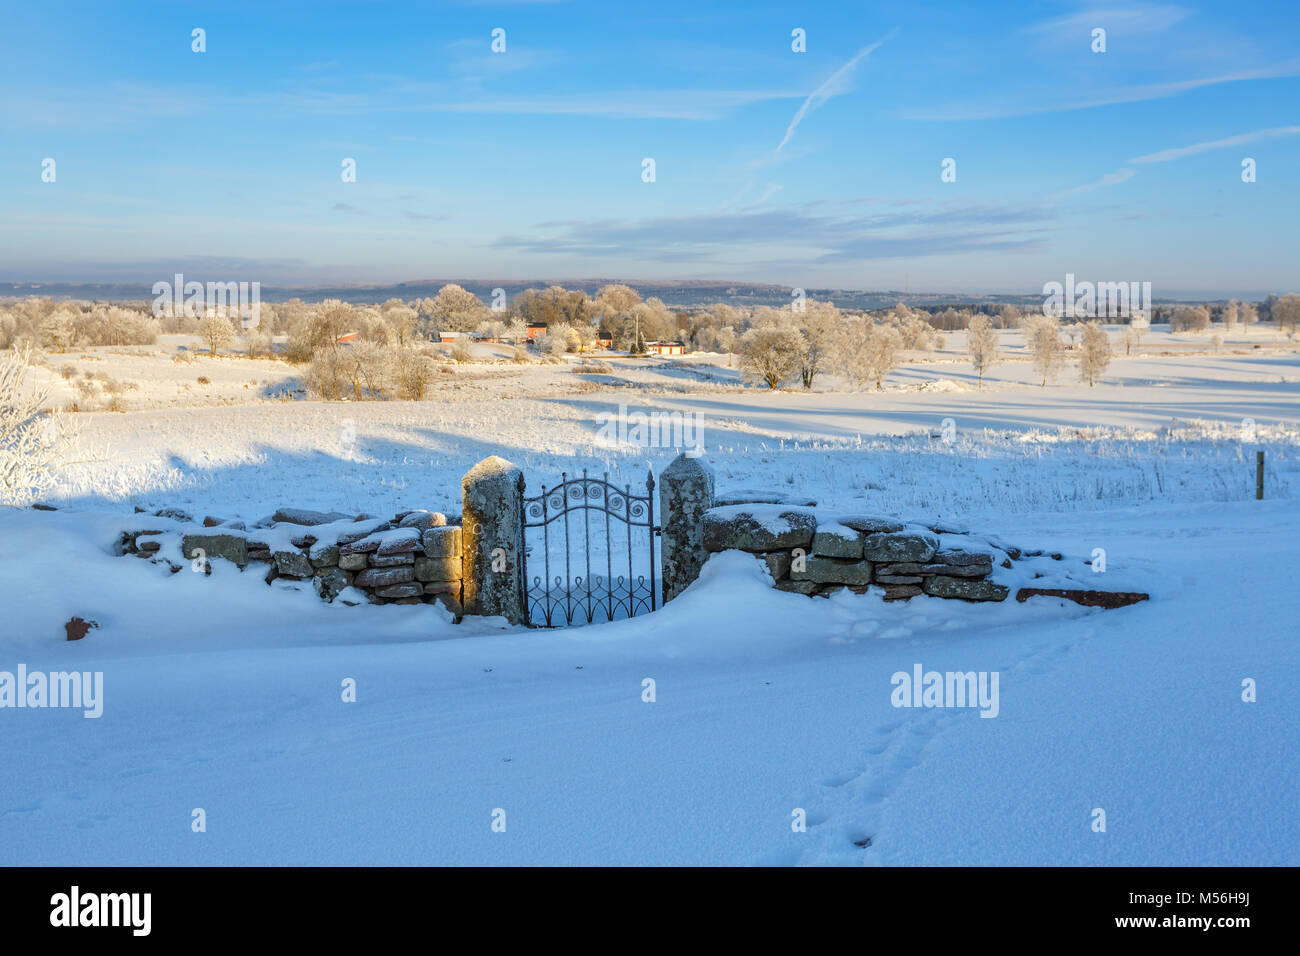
[674, 293]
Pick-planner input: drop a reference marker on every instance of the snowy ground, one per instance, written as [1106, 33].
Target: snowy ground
[222, 695]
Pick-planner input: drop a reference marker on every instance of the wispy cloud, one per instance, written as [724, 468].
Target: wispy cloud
[835, 84]
[1110, 179]
[1130, 20]
[822, 236]
[1132, 94]
[1167, 155]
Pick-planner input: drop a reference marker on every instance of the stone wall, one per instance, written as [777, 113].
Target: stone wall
[811, 551]
[415, 557]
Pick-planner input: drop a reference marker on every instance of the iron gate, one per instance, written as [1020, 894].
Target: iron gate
[554, 599]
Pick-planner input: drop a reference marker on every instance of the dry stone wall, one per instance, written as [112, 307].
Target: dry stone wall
[810, 551]
[413, 558]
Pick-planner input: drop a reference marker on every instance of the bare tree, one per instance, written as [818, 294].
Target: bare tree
[982, 344]
[772, 354]
[1094, 353]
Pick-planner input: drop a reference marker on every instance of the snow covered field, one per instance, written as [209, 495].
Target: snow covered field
[223, 694]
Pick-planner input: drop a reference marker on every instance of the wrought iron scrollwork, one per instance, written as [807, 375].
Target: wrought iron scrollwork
[582, 593]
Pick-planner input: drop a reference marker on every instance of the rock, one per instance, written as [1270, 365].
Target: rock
[391, 560]
[258, 554]
[957, 571]
[962, 558]
[348, 537]
[778, 564]
[450, 602]
[899, 579]
[175, 514]
[353, 562]
[394, 541]
[833, 571]
[967, 589]
[324, 556]
[871, 524]
[797, 587]
[906, 546]
[757, 528]
[400, 541]
[293, 564]
[423, 520]
[835, 540]
[304, 516]
[384, 577]
[211, 522]
[443, 587]
[232, 547]
[685, 494]
[271, 574]
[303, 540]
[42, 506]
[399, 591]
[438, 569]
[330, 582]
[1106, 599]
[77, 628]
[442, 542]
[149, 546]
[901, 592]
[750, 496]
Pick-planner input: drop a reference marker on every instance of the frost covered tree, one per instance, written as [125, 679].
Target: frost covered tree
[216, 333]
[982, 344]
[457, 309]
[1286, 313]
[866, 352]
[819, 322]
[1094, 353]
[1043, 336]
[33, 443]
[772, 354]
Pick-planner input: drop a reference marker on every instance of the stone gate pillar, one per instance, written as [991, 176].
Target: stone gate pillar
[685, 493]
[493, 539]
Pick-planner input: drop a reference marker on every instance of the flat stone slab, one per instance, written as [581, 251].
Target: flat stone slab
[307, 517]
[232, 547]
[1106, 599]
[833, 571]
[384, 577]
[967, 589]
[757, 528]
[835, 540]
[752, 496]
[871, 524]
[908, 546]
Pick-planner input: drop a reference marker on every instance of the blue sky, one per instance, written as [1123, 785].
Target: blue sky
[809, 169]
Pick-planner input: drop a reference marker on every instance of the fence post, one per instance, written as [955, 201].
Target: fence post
[1259, 475]
[493, 539]
[685, 493]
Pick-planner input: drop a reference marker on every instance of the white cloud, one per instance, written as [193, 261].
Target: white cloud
[1167, 155]
[837, 83]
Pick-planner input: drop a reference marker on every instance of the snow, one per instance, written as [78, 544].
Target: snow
[224, 694]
